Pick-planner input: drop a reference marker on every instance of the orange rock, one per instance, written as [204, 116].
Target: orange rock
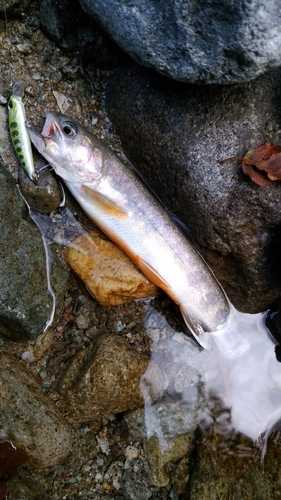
[107, 272]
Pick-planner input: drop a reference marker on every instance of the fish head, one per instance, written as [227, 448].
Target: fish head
[74, 153]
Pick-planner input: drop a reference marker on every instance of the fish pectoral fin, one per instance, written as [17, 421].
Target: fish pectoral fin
[105, 205]
[152, 274]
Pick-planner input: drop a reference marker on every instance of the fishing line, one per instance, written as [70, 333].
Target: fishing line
[49, 260]
[7, 41]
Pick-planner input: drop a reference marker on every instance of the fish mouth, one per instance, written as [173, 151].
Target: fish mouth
[37, 139]
[50, 129]
[50, 126]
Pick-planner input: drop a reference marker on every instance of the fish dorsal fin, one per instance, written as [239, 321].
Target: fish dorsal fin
[105, 205]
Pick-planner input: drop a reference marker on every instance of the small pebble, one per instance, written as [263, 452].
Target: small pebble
[83, 322]
[104, 445]
[119, 326]
[3, 99]
[131, 453]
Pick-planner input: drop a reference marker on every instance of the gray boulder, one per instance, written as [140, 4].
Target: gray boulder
[25, 302]
[176, 135]
[29, 418]
[197, 42]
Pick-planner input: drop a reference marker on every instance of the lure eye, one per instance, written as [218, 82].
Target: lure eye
[69, 129]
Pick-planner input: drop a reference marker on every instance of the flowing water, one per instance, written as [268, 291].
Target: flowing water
[240, 369]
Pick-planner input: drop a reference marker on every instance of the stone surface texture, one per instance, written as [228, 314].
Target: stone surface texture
[22, 486]
[163, 453]
[176, 135]
[197, 42]
[108, 273]
[29, 417]
[45, 196]
[234, 473]
[103, 379]
[25, 304]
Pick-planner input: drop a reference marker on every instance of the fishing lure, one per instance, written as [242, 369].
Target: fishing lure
[18, 131]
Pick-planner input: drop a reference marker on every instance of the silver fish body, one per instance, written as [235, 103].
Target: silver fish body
[117, 201]
[18, 130]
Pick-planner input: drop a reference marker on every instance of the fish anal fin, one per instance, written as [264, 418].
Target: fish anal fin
[105, 205]
[197, 331]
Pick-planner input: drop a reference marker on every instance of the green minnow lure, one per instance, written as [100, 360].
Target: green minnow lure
[18, 131]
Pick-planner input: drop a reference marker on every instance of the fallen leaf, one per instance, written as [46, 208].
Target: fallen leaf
[263, 164]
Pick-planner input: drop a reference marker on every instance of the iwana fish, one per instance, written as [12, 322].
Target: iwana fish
[117, 201]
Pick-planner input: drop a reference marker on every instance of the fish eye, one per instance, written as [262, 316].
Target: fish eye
[69, 129]
[10, 104]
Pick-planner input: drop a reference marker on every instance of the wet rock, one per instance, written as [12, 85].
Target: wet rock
[164, 418]
[231, 469]
[28, 416]
[206, 42]
[25, 305]
[46, 195]
[177, 136]
[131, 490]
[103, 379]
[22, 486]
[108, 273]
[42, 343]
[162, 453]
[135, 421]
[167, 428]
[62, 101]
[179, 476]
